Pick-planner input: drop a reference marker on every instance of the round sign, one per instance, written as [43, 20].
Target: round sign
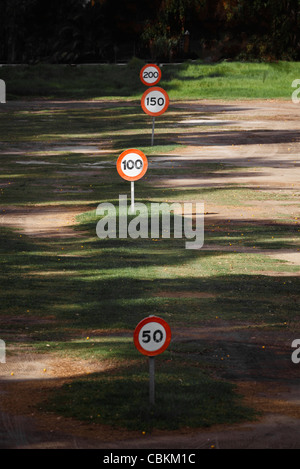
[132, 164]
[150, 75]
[152, 336]
[155, 101]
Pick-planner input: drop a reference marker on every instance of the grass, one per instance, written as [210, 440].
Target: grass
[56, 292]
[182, 399]
[190, 80]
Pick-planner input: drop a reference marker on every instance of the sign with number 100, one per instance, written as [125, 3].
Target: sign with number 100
[132, 164]
[152, 336]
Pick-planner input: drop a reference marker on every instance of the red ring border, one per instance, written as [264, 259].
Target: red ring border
[159, 75]
[155, 88]
[142, 173]
[139, 327]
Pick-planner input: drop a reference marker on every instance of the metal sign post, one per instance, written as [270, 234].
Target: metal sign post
[152, 380]
[132, 197]
[151, 337]
[154, 102]
[153, 125]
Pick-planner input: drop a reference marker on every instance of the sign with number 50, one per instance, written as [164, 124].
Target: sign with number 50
[152, 336]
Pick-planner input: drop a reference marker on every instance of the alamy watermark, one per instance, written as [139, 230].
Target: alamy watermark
[295, 94]
[2, 92]
[152, 220]
[296, 353]
[2, 351]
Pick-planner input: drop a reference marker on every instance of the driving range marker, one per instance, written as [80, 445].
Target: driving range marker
[150, 75]
[132, 165]
[155, 101]
[152, 337]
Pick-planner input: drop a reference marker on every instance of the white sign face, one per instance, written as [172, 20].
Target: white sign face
[132, 165]
[152, 336]
[155, 101]
[150, 75]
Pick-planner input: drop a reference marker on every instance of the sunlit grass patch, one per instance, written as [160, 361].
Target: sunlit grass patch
[189, 80]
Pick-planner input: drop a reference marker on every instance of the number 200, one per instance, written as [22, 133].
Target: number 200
[150, 75]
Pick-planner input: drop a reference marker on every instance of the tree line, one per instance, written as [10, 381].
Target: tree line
[93, 31]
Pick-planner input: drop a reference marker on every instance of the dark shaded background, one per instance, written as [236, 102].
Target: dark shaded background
[95, 31]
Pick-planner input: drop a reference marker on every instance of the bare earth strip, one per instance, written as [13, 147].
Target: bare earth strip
[40, 221]
[263, 138]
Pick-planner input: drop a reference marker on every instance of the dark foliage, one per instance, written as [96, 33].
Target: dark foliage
[90, 31]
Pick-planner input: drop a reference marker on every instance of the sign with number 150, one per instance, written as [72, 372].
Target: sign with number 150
[155, 101]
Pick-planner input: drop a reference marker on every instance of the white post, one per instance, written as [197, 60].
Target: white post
[132, 197]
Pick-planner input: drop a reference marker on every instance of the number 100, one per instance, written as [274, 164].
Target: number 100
[130, 164]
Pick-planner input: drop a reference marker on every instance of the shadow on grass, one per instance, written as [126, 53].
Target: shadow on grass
[183, 398]
[91, 283]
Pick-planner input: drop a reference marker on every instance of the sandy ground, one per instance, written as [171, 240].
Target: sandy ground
[262, 137]
[260, 365]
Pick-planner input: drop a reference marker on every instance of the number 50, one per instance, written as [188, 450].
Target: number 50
[157, 336]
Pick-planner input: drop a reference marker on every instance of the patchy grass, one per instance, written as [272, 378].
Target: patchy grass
[58, 291]
[184, 397]
[190, 80]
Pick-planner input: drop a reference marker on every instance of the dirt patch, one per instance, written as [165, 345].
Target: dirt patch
[26, 366]
[291, 257]
[261, 140]
[274, 273]
[286, 255]
[275, 395]
[24, 425]
[42, 221]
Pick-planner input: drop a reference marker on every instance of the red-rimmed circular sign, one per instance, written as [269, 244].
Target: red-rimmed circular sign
[150, 75]
[155, 101]
[152, 336]
[132, 164]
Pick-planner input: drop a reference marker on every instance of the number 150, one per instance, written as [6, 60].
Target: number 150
[153, 101]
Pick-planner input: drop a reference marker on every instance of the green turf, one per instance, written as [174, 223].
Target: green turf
[183, 399]
[189, 80]
[57, 292]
